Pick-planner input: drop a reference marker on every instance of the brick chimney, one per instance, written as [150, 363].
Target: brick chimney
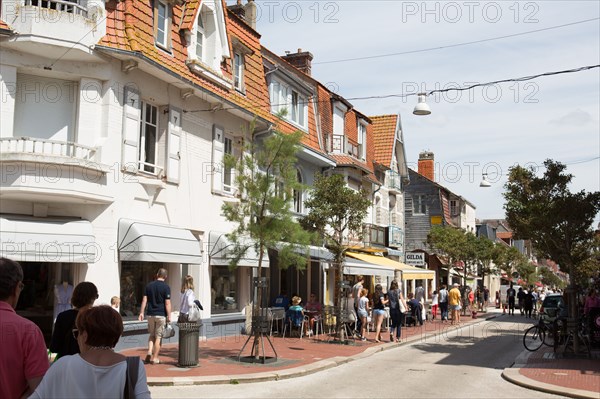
[246, 12]
[427, 165]
[301, 60]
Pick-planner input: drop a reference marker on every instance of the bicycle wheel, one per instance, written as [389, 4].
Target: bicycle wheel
[549, 337]
[533, 338]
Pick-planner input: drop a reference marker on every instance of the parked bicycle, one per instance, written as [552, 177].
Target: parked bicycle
[541, 333]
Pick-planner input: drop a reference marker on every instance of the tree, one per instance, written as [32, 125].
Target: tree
[335, 211]
[485, 256]
[265, 177]
[449, 242]
[543, 210]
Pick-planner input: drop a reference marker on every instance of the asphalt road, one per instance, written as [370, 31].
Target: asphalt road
[466, 363]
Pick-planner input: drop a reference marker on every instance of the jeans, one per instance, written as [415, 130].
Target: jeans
[444, 310]
[358, 320]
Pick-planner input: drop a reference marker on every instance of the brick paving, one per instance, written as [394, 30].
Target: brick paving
[571, 373]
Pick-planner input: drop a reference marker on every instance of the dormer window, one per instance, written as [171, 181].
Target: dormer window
[200, 34]
[286, 98]
[362, 140]
[238, 71]
[162, 24]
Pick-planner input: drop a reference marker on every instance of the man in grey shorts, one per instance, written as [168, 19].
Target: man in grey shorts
[158, 298]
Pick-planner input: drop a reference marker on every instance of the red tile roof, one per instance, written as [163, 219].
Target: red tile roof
[384, 134]
[4, 25]
[130, 27]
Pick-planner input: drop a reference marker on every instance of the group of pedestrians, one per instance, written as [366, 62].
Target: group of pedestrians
[84, 339]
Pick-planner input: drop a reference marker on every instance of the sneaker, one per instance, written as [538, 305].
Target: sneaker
[363, 339]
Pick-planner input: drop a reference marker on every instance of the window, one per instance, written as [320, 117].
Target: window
[134, 278]
[362, 140]
[162, 24]
[298, 194]
[148, 138]
[419, 205]
[224, 290]
[338, 130]
[228, 171]
[200, 35]
[453, 207]
[238, 71]
[285, 98]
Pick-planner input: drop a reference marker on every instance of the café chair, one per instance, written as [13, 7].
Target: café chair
[294, 319]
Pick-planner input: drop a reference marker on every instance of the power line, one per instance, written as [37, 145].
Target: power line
[429, 92]
[455, 45]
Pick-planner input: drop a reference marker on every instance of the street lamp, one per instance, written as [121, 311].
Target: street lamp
[484, 181]
[422, 108]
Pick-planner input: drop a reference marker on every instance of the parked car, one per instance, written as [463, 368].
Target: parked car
[550, 307]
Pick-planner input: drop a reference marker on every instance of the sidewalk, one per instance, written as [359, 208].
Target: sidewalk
[578, 378]
[543, 371]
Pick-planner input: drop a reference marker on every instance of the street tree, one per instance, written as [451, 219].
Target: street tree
[485, 257]
[449, 242]
[265, 177]
[335, 212]
[557, 221]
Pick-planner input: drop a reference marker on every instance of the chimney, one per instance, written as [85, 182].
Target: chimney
[246, 12]
[250, 13]
[426, 165]
[301, 60]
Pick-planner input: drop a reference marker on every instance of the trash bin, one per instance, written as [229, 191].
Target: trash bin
[189, 334]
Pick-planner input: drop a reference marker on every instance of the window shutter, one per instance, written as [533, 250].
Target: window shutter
[174, 145]
[132, 114]
[217, 158]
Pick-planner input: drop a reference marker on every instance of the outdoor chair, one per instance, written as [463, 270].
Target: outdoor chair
[276, 317]
[294, 319]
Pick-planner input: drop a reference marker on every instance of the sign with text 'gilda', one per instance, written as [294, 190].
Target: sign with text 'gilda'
[415, 259]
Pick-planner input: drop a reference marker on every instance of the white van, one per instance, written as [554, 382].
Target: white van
[504, 297]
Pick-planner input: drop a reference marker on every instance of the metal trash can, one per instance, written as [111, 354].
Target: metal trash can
[189, 335]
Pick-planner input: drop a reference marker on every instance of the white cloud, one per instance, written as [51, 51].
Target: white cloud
[577, 117]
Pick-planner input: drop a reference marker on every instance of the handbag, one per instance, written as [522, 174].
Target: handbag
[402, 306]
[194, 313]
[169, 331]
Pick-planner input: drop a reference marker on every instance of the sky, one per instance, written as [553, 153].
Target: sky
[487, 129]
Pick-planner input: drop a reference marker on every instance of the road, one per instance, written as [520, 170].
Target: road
[466, 363]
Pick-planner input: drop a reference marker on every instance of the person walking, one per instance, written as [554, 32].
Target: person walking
[521, 300]
[454, 303]
[63, 343]
[362, 312]
[511, 295]
[158, 299]
[23, 358]
[187, 299]
[379, 303]
[356, 292]
[443, 301]
[97, 371]
[434, 304]
[528, 300]
[396, 303]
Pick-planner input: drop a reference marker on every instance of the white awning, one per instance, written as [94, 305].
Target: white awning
[148, 242]
[220, 251]
[29, 239]
[356, 267]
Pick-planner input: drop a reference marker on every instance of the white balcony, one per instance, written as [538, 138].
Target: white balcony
[51, 171]
[52, 26]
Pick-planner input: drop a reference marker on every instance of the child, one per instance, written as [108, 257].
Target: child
[115, 302]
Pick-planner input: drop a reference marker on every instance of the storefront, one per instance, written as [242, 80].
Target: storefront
[54, 254]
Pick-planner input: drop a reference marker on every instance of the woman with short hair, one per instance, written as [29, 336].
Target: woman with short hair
[96, 372]
[63, 343]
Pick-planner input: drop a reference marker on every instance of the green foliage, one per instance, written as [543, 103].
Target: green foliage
[547, 277]
[265, 177]
[335, 210]
[543, 210]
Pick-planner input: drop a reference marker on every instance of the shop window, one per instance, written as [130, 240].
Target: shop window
[224, 290]
[134, 278]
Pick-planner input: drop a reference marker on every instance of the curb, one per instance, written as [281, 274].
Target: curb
[514, 375]
[300, 371]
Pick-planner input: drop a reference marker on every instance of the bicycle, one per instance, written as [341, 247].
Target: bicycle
[541, 333]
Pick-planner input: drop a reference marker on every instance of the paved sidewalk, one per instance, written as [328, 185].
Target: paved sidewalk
[543, 371]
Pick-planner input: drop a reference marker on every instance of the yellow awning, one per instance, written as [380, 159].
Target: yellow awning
[408, 272]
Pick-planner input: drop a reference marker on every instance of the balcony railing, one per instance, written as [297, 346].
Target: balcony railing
[394, 182]
[72, 6]
[374, 235]
[30, 145]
